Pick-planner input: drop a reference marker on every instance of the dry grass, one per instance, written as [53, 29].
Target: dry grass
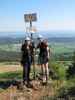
[10, 68]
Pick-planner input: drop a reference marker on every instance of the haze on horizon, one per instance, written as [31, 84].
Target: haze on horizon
[53, 15]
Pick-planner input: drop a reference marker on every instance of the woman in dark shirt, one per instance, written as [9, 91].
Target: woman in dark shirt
[44, 58]
[26, 60]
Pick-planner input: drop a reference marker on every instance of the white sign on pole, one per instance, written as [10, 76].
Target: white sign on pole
[30, 17]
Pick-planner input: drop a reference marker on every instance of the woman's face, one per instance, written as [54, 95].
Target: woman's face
[28, 42]
[45, 41]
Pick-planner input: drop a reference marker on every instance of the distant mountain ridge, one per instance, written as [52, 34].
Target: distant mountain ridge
[7, 40]
[46, 34]
[18, 37]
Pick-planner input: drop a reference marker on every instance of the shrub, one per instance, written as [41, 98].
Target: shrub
[71, 70]
[58, 70]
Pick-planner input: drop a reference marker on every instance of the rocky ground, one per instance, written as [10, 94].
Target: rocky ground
[20, 92]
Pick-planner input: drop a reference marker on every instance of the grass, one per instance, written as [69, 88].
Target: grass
[9, 63]
[16, 74]
[10, 47]
[61, 91]
[11, 75]
[59, 69]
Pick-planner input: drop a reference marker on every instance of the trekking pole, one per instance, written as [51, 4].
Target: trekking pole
[34, 76]
[33, 57]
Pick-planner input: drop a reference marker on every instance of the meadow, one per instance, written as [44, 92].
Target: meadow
[59, 51]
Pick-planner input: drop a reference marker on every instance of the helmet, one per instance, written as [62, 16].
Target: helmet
[27, 39]
[40, 36]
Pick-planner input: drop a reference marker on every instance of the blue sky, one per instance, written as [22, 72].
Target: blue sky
[52, 14]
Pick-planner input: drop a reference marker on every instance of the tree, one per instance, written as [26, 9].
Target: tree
[71, 69]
